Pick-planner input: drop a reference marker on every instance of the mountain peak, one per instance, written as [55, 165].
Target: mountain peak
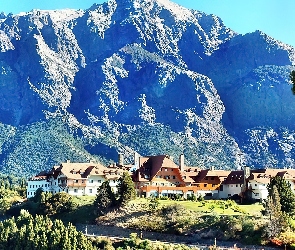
[146, 76]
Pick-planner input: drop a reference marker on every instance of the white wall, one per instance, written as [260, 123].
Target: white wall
[33, 185]
[259, 190]
[230, 190]
[93, 183]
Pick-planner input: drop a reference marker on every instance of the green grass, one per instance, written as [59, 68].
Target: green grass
[84, 212]
[215, 206]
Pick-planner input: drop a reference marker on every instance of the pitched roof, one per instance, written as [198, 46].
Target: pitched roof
[77, 170]
[151, 165]
[234, 177]
[221, 174]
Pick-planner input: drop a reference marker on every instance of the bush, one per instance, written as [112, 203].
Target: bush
[191, 197]
[200, 198]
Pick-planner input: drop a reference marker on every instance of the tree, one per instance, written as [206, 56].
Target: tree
[277, 221]
[38, 195]
[59, 203]
[40, 232]
[126, 189]
[292, 78]
[287, 197]
[105, 198]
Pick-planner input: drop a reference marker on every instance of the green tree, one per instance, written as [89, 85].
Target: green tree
[38, 195]
[105, 198]
[59, 203]
[287, 197]
[292, 78]
[277, 221]
[126, 189]
[28, 233]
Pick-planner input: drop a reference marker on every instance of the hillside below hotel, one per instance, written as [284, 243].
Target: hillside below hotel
[156, 176]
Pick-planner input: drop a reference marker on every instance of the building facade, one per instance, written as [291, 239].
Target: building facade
[159, 176]
[75, 179]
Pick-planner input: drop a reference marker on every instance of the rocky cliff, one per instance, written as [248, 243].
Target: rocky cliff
[145, 76]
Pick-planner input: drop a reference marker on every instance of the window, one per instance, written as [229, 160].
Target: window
[237, 185]
[255, 185]
[82, 181]
[184, 177]
[75, 190]
[165, 169]
[198, 185]
[205, 185]
[229, 195]
[213, 185]
[256, 194]
[99, 181]
[172, 169]
[75, 181]
[30, 186]
[90, 181]
[90, 191]
[173, 177]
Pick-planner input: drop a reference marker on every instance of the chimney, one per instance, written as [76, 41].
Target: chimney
[181, 162]
[136, 160]
[212, 168]
[120, 160]
[246, 174]
[68, 161]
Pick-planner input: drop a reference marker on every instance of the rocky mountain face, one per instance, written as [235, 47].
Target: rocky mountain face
[145, 76]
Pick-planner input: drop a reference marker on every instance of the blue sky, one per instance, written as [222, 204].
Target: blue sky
[274, 17]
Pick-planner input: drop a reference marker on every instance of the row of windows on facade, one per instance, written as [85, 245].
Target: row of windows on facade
[165, 184]
[75, 181]
[90, 191]
[162, 169]
[165, 176]
[53, 192]
[92, 181]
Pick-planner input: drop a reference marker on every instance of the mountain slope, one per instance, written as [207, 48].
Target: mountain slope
[141, 76]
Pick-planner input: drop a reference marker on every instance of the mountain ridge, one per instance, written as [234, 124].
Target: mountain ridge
[142, 76]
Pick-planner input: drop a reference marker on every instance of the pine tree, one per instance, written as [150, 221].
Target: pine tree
[105, 198]
[126, 189]
[287, 197]
[277, 221]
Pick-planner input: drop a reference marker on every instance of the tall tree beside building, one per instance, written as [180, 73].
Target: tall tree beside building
[287, 197]
[126, 189]
[277, 222]
[105, 198]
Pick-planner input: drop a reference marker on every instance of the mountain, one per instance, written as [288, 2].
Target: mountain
[145, 76]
